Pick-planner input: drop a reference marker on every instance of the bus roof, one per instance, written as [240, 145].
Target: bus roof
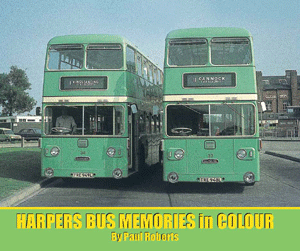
[91, 38]
[209, 32]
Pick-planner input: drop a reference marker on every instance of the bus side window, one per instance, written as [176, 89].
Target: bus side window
[151, 73]
[139, 64]
[145, 70]
[130, 59]
[142, 123]
[153, 123]
[160, 78]
[148, 122]
[155, 76]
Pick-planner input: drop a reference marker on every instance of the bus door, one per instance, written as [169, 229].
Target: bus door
[132, 138]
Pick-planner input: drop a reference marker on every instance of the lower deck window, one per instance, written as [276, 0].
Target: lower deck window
[210, 120]
[84, 120]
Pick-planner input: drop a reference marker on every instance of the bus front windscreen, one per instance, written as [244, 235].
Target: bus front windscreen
[211, 120]
[84, 120]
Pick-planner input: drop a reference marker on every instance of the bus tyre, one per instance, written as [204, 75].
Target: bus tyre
[160, 157]
[67, 180]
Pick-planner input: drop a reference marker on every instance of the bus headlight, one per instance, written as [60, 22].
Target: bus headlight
[241, 154]
[54, 151]
[178, 154]
[111, 152]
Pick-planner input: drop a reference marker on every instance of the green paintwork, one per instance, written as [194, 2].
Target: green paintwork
[115, 84]
[208, 32]
[224, 148]
[87, 39]
[64, 164]
[190, 168]
[245, 77]
[121, 83]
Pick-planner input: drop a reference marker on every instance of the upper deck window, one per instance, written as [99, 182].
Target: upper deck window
[104, 56]
[130, 59]
[230, 51]
[66, 57]
[186, 52]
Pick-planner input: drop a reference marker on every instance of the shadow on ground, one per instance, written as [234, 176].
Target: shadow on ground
[151, 181]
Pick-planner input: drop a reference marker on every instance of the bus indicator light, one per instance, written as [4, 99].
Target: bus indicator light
[54, 151]
[179, 154]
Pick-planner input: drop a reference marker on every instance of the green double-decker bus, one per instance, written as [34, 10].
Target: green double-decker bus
[101, 108]
[210, 124]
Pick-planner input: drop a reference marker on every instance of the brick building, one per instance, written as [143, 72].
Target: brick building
[279, 92]
[281, 95]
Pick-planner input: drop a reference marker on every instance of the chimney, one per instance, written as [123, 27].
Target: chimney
[291, 76]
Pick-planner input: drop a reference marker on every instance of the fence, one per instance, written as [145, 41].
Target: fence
[17, 126]
[20, 144]
[278, 133]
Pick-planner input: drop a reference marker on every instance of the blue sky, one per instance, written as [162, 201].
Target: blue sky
[27, 26]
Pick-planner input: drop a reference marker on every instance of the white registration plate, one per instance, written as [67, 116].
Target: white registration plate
[83, 175]
[210, 180]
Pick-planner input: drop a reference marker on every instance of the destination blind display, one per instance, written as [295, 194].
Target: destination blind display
[209, 80]
[83, 83]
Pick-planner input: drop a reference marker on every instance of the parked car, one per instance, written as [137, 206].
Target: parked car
[30, 133]
[8, 135]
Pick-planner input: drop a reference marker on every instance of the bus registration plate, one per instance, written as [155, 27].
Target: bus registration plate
[83, 175]
[210, 180]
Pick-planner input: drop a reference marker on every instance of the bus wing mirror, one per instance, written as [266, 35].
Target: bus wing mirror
[134, 108]
[263, 106]
[38, 111]
[155, 110]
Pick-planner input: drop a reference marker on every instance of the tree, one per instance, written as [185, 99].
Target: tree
[13, 92]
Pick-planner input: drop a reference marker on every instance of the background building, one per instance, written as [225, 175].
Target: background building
[279, 92]
[18, 122]
[281, 95]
